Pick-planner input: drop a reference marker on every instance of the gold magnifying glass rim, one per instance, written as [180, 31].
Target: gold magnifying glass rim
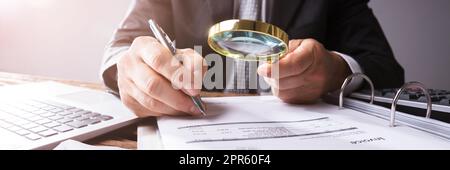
[248, 26]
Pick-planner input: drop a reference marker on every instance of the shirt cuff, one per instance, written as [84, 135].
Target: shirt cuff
[109, 67]
[356, 82]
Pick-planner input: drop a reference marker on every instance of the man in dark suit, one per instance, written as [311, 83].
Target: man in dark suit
[329, 39]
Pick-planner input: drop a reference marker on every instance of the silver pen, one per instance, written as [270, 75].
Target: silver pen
[164, 39]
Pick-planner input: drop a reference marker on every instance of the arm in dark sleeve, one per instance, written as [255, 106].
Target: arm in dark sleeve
[134, 25]
[354, 30]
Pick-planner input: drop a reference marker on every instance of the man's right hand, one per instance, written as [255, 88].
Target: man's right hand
[150, 79]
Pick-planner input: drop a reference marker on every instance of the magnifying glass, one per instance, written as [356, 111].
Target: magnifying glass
[248, 40]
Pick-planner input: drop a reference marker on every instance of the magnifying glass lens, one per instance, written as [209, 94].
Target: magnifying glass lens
[248, 40]
[248, 43]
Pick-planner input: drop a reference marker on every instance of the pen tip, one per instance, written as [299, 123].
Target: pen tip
[203, 112]
[200, 106]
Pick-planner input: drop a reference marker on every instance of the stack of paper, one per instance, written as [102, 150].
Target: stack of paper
[267, 123]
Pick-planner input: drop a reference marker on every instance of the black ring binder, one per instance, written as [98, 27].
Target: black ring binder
[424, 124]
[406, 86]
[347, 80]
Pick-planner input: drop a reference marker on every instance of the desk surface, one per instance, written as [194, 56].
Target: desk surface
[125, 137]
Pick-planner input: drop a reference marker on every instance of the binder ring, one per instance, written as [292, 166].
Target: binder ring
[347, 80]
[406, 86]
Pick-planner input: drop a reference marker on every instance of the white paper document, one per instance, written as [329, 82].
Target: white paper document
[76, 145]
[267, 123]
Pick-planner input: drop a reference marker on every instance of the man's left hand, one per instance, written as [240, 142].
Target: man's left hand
[306, 73]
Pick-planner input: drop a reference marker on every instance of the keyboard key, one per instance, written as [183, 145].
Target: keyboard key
[86, 112]
[83, 112]
[51, 124]
[21, 122]
[14, 128]
[389, 94]
[63, 128]
[26, 115]
[56, 110]
[73, 116]
[35, 118]
[55, 117]
[74, 110]
[92, 114]
[435, 98]
[30, 125]
[445, 102]
[65, 120]
[9, 118]
[92, 121]
[38, 129]
[43, 121]
[13, 119]
[65, 107]
[33, 136]
[39, 112]
[441, 92]
[410, 96]
[105, 117]
[48, 107]
[422, 99]
[81, 118]
[48, 133]
[405, 97]
[64, 113]
[384, 91]
[77, 124]
[22, 132]
[48, 114]
[18, 112]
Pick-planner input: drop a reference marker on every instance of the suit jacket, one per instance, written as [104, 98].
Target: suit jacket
[346, 26]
